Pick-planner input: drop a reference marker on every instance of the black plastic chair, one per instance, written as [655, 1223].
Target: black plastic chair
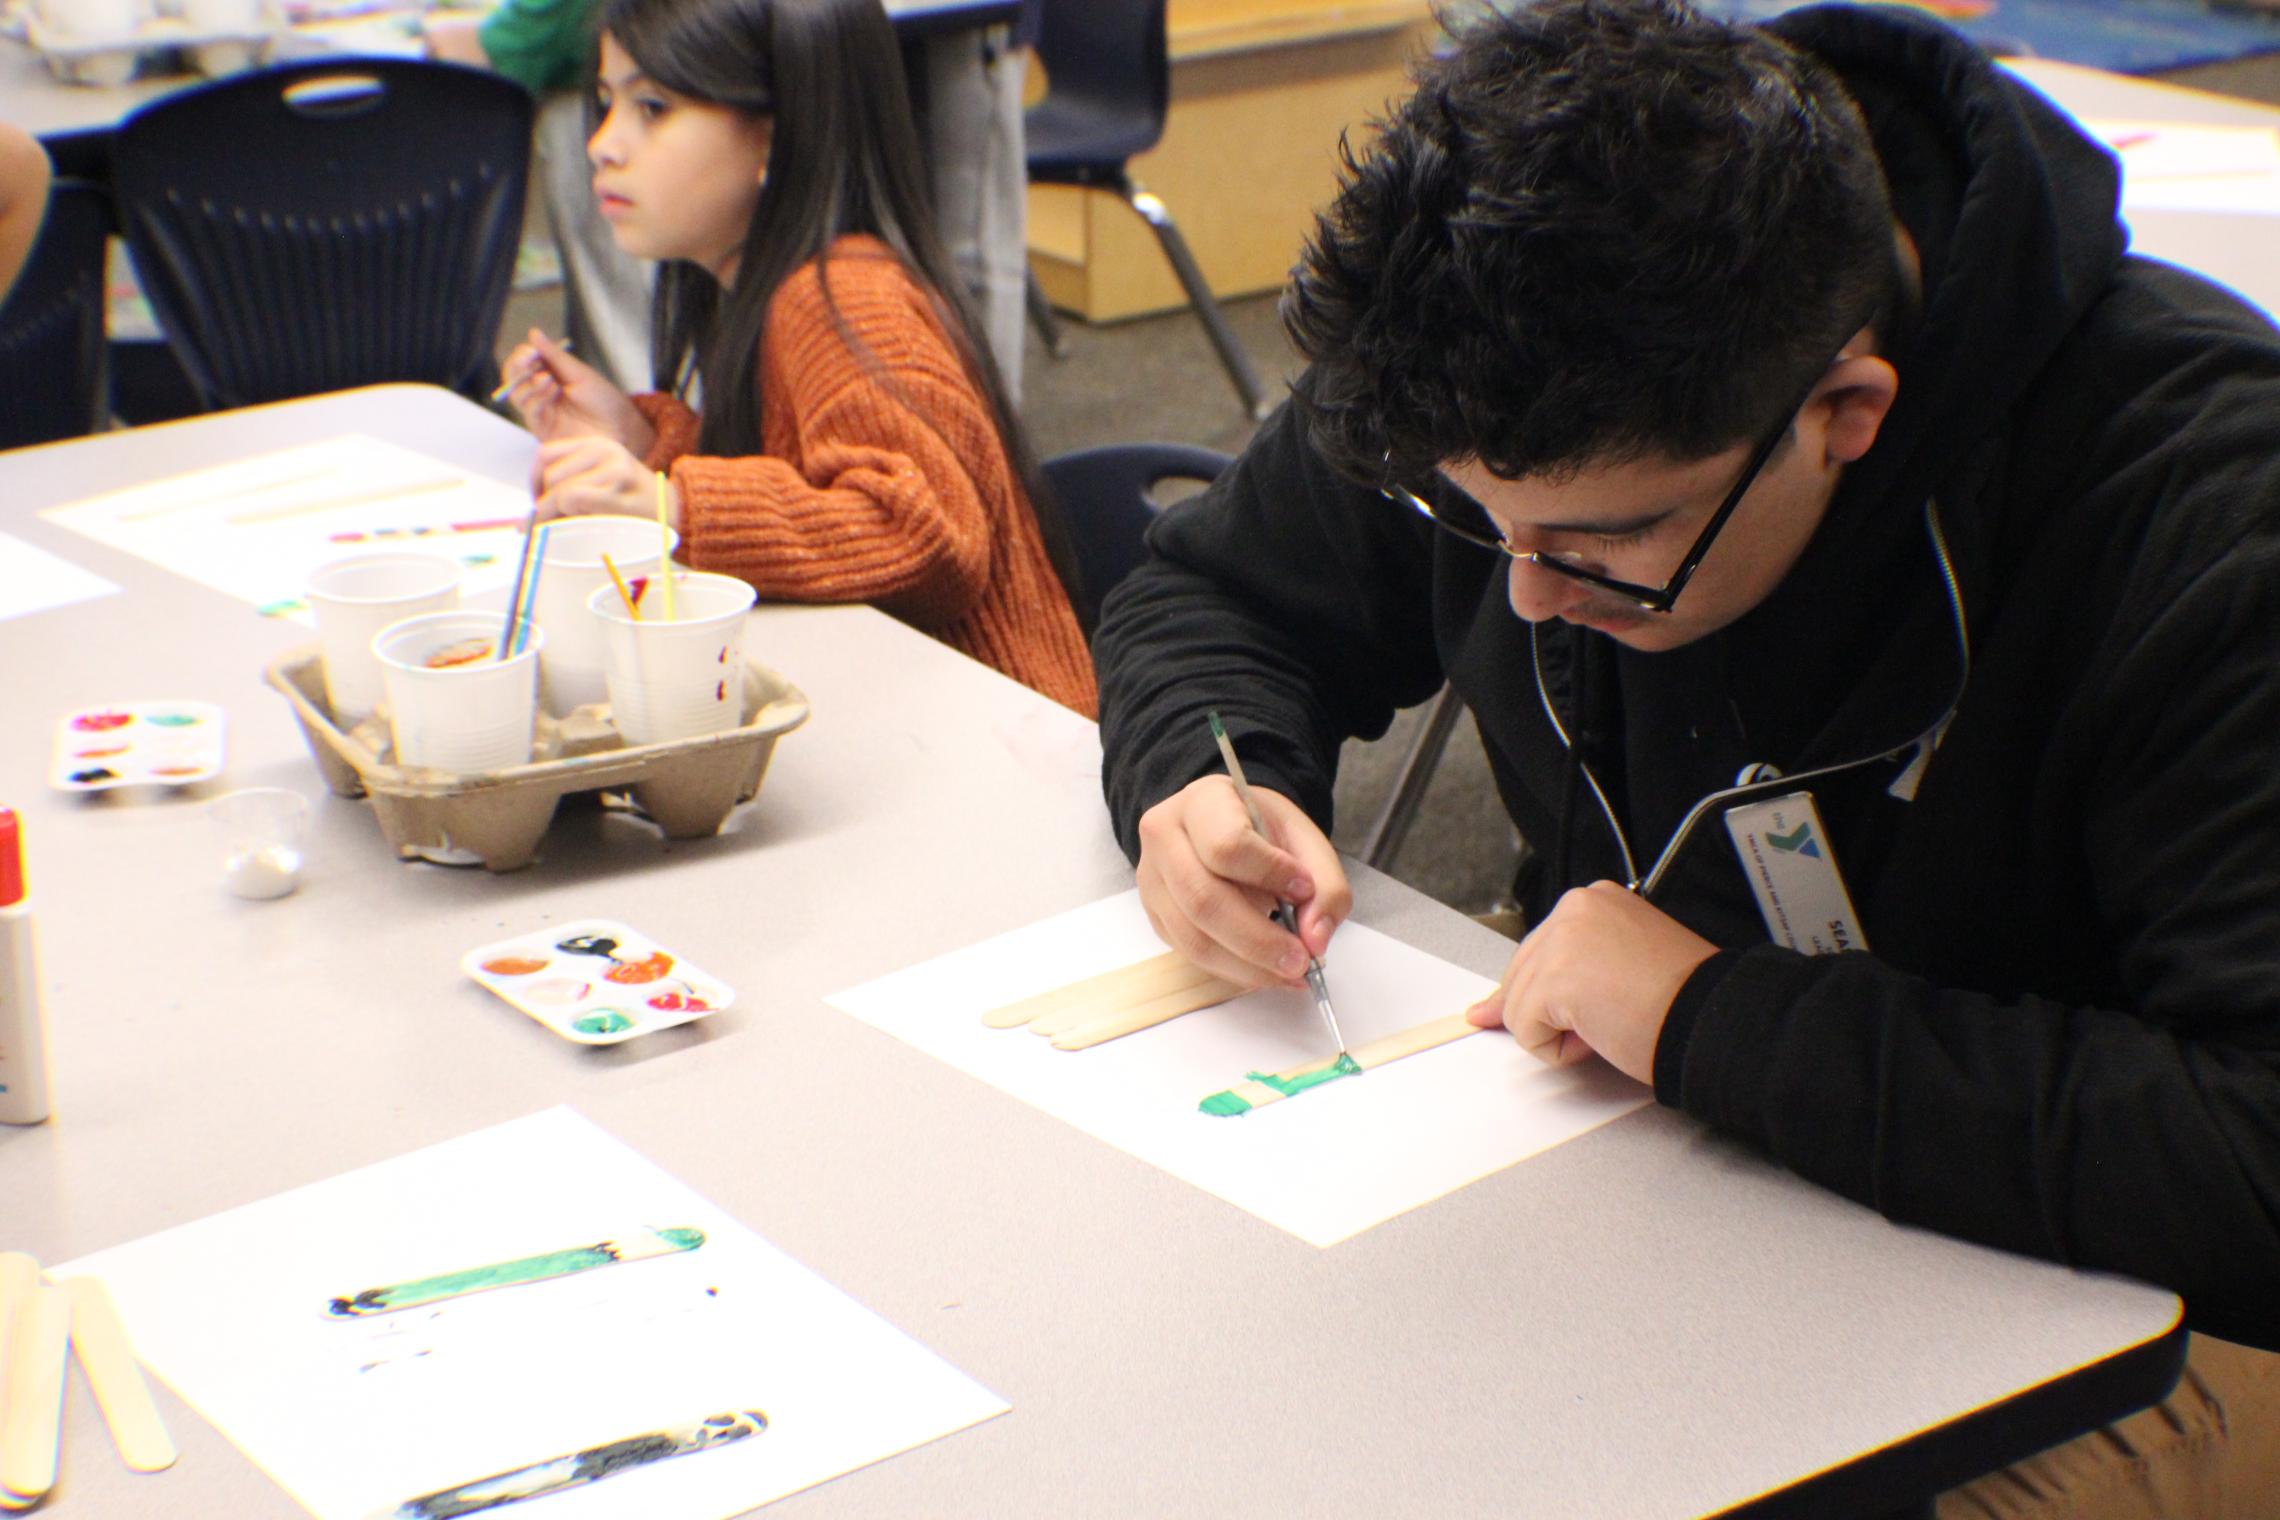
[329, 224]
[1105, 497]
[1108, 82]
[52, 376]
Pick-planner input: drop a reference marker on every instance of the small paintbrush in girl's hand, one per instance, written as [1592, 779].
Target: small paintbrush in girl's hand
[511, 382]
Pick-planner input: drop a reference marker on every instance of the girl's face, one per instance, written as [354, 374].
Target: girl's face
[675, 178]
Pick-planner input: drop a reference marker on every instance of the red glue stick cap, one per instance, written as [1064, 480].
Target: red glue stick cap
[11, 861]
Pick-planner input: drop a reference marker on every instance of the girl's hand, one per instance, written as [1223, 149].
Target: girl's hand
[563, 397]
[574, 477]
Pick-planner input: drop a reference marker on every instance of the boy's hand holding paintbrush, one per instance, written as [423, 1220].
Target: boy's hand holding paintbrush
[1209, 882]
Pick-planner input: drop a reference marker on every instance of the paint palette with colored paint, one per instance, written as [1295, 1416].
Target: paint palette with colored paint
[137, 744]
[596, 981]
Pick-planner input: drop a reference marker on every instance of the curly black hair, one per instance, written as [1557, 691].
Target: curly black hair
[1599, 230]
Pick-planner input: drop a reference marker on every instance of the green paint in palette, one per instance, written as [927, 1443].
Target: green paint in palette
[508, 1274]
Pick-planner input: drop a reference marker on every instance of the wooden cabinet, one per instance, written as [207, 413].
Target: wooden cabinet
[1260, 91]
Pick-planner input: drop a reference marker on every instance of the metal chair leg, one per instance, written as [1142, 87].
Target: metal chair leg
[1041, 316]
[1391, 826]
[1231, 354]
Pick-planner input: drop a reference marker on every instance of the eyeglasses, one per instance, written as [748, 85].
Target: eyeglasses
[1652, 598]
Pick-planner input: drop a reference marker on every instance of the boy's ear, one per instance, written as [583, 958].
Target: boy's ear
[1858, 394]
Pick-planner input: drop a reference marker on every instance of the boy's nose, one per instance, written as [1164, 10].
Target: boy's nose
[1539, 595]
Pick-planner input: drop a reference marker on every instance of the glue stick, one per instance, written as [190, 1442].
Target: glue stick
[23, 1027]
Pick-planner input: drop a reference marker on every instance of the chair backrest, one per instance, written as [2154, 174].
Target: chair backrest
[51, 326]
[1104, 497]
[328, 224]
[1108, 57]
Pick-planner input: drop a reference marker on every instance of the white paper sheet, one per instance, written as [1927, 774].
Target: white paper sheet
[1325, 1164]
[33, 580]
[356, 1416]
[256, 528]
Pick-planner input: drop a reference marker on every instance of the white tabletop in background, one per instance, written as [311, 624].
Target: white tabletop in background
[1644, 1322]
[2238, 249]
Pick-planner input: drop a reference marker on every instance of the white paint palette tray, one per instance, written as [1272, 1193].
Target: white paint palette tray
[137, 744]
[596, 981]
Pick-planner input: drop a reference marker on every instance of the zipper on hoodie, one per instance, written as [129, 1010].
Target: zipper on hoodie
[1930, 736]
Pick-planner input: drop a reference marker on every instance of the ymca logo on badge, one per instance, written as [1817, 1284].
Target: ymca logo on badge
[1799, 841]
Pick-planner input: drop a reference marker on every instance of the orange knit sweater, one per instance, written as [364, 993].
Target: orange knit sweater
[908, 502]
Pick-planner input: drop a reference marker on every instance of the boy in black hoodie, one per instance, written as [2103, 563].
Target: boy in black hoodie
[1767, 434]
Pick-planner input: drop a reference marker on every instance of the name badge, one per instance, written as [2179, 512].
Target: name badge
[1785, 853]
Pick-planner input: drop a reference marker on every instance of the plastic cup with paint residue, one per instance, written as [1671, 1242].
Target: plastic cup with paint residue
[571, 670]
[453, 705]
[264, 833]
[355, 598]
[677, 679]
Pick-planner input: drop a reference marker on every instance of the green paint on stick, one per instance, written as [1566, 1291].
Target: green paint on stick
[507, 1274]
[1229, 1103]
[1344, 1066]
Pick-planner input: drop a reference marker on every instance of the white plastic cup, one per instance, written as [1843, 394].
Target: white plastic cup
[95, 20]
[355, 598]
[678, 679]
[572, 666]
[222, 15]
[466, 719]
[264, 830]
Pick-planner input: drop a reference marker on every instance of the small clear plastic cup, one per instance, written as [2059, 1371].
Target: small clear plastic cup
[453, 704]
[264, 832]
[677, 679]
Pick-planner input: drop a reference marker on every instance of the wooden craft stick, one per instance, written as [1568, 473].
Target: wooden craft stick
[638, 1245]
[39, 1346]
[1114, 1002]
[236, 493]
[329, 503]
[1121, 988]
[1118, 1023]
[1263, 1087]
[19, 1279]
[100, 1341]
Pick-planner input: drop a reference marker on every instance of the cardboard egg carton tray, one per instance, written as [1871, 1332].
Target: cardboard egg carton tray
[687, 787]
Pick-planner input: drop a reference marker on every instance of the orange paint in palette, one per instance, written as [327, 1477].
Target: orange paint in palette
[137, 743]
[596, 981]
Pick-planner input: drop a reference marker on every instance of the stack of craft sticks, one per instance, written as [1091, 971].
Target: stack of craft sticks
[40, 1326]
[1115, 1003]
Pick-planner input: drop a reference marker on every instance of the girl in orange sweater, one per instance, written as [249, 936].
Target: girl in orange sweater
[765, 149]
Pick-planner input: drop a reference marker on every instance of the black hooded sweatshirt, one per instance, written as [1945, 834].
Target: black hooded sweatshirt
[2028, 666]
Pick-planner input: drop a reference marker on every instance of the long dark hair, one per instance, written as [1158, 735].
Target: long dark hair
[844, 159]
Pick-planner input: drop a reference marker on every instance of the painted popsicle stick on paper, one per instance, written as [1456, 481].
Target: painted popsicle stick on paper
[1259, 1088]
[509, 1274]
[588, 1466]
[1115, 1003]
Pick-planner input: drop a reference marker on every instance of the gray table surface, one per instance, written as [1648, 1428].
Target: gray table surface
[1644, 1322]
